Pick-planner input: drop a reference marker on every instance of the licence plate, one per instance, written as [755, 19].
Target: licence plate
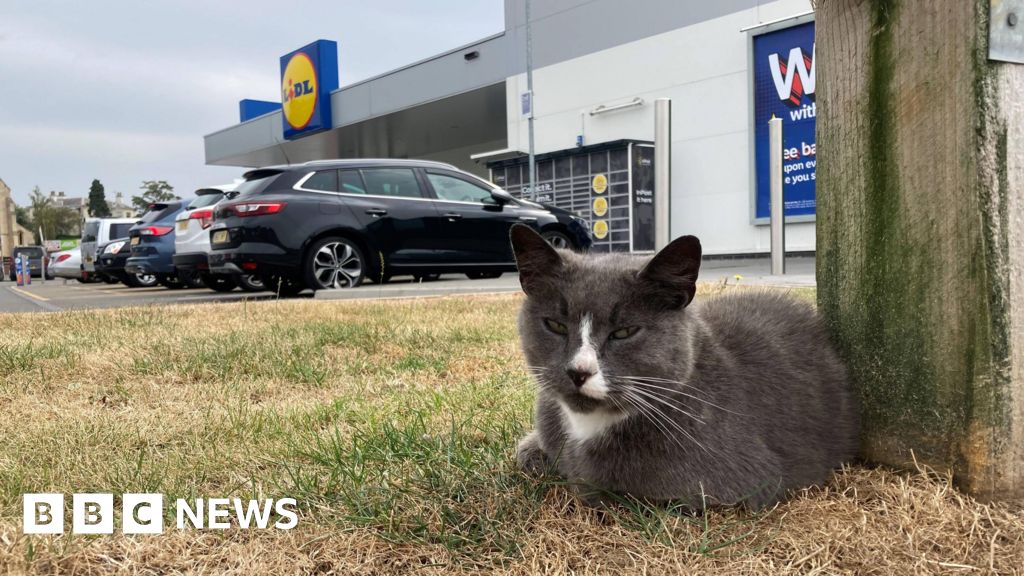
[135, 240]
[220, 236]
[182, 225]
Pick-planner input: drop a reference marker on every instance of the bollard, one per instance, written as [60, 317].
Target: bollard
[662, 171]
[777, 205]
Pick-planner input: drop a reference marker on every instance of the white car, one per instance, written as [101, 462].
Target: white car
[192, 242]
[67, 264]
[97, 231]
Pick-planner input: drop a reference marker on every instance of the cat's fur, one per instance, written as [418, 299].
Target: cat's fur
[739, 398]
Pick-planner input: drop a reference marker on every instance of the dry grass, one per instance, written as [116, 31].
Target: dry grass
[393, 423]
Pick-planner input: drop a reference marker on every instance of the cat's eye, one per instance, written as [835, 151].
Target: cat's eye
[623, 333]
[556, 327]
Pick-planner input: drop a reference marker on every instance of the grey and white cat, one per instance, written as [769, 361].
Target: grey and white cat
[733, 400]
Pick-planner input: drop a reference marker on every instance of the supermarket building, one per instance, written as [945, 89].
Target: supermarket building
[598, 66]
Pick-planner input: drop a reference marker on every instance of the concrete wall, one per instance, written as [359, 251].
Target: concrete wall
[704, 69]
[255, 142]
[586, 53]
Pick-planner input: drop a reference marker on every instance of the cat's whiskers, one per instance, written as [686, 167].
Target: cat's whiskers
[668, 402]
[665, 381]
[647, 411]
[539, 374]
[638, 381]
[653, 410]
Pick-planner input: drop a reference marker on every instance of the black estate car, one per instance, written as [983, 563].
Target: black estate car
[333, 223]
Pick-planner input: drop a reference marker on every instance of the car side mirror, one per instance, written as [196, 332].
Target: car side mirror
[501, 196]
[231, 194]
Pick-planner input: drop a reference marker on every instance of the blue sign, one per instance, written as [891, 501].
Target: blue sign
[249, 109]
[308, 76]
[784, 88]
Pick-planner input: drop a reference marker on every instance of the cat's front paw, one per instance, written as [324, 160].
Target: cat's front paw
[530, 456]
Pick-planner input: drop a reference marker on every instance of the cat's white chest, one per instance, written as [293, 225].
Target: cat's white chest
[588, 425]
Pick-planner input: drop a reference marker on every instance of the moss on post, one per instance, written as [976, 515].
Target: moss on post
[920, 233]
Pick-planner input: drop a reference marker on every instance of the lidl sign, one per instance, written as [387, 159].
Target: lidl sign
[308, 76]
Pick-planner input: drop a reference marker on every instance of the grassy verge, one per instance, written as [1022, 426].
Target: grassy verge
[394, 425]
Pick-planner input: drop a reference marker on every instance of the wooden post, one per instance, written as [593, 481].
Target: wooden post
[921, 232]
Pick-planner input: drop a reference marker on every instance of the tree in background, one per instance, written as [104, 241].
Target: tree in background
[23, 216]
[53, 220]
[153, 191]
[98, 200]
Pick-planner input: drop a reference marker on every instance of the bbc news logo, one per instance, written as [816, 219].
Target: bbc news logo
[144, 513]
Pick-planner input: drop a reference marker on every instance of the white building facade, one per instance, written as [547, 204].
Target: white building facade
[598, 67]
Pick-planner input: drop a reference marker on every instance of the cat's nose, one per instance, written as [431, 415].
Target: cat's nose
[578, 377]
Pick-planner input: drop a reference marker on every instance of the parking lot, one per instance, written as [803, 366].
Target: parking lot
[57, 295]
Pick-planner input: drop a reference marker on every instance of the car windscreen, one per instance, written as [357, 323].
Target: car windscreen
[204, 201]
[158, 212]
[32, 252]
[120, 230]
[256, 181]
[90, 231]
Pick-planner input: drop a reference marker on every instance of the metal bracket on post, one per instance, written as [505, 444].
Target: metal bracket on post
[1006, 31]
[776, 206]
[662, 171]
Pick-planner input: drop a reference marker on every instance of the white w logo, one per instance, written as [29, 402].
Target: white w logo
[794, 78]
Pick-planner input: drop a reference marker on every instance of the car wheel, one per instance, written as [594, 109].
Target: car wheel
[145, 280]
[193, 279]
[219, 282]
[334, 263]
[482, 275]
[137, 280]
[558, 240]
[425, 277]
[250, 283]
[171, 281]
[282, 285]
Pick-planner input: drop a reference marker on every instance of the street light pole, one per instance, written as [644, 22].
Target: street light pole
[529, 89]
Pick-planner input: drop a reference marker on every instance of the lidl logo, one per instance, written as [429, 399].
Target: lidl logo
[298, 91]
[308, 76]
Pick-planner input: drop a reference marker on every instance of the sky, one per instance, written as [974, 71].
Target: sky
[125, 91]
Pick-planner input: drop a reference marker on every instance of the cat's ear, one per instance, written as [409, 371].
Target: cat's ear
[537, 260]
[670, 278]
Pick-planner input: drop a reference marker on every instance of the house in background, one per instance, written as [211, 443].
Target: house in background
[11, 233]
[118, 209]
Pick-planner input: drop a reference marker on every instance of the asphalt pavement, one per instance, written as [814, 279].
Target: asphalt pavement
[57, 295]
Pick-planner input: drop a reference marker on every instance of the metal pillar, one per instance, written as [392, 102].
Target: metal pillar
[777, 210]
[662, 171]
[529, 88]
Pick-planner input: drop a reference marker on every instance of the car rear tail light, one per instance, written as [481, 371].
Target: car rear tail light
[205, 217]
[62, 258]
[155, 230]
[250, 266]
[246, 209]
